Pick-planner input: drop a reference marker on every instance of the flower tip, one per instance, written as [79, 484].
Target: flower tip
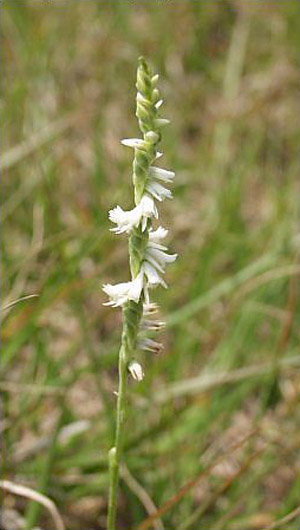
[141, 60]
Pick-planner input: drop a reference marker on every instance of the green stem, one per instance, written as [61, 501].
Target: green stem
[132, 314]
[115, 452]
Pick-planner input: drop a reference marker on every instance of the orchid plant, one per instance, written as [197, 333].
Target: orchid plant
[147, 256]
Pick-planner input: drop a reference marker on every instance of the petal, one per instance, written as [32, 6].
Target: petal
[158, 191]
[158, 246]
[152, 275]
[125, 220]
[148, 206]
[136, 370]
[146, 293]
[163, 256]
[159, 256]
[161, 174]
[150, 345]
[140, 97]
[116, 215]
[154, 262]
[136, 287]
[153, 325]
[159, 104]
[158, 234]
[136, 143]
[118, 289]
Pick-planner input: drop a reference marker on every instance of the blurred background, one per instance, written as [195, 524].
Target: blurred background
[213, 431]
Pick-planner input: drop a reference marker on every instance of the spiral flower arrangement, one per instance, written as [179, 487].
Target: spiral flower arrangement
[147, 255]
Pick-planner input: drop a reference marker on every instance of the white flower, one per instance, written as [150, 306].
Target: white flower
[136, 143]
[161, 174]
[154, 262]
[153, 279]
[158, 191]
[127, 220]
[152, 275]
[150, 345]
[136, 370]
[148, 208]
[121, 293]
[157, 235]
[152, 325]
[156, 256]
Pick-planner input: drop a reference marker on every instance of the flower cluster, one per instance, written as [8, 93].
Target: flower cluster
[148, 256]
[150, 274]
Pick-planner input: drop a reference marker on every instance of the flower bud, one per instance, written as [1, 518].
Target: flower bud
[136, 371]
[154, 80]
[152, 137]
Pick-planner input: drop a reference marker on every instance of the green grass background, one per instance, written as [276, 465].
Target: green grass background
[224, 457]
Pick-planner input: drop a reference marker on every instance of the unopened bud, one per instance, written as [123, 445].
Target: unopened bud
[154, 80]
[136, 370]
[152, 136]
[161, 122]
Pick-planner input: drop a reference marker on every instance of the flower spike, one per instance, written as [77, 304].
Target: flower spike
[147, 255]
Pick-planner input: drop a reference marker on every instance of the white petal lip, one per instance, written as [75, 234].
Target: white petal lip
[161, 174]
[127, 220]
[117, 293]
[119, 289]
[121, 293]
